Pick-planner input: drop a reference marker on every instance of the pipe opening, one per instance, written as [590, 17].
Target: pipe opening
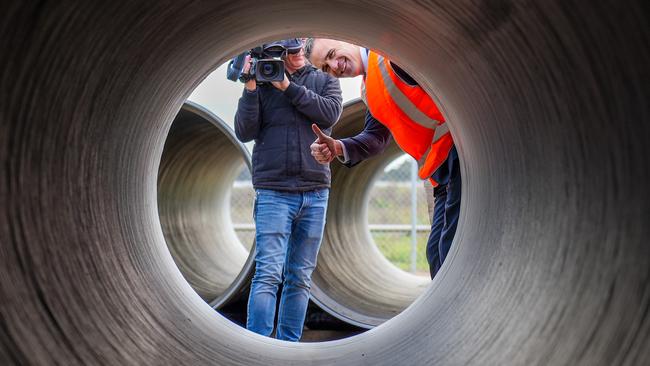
[353, 281]
[199, 166]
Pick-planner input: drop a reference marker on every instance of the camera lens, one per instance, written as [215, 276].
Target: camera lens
[270, 70]
[267, 69]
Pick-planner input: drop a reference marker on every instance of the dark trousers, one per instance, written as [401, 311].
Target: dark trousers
[446, 211]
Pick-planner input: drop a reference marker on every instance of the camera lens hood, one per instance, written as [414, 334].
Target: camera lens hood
[277, 48]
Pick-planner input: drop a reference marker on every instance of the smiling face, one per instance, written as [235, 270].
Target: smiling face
[337, 58]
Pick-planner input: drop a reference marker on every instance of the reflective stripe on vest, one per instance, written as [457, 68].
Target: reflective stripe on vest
[409, 113]
[400, 99]
[441, 131]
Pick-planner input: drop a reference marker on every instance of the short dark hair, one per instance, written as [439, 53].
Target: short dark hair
[309, 46]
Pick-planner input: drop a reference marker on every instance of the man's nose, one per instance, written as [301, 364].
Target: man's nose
[333, 64]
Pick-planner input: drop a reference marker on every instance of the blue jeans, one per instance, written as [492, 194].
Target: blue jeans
[289, 229]
[446, 211]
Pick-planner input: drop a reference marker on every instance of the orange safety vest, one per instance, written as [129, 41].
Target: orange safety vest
[410, 114]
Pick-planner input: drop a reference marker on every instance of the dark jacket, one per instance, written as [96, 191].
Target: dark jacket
[280, 123]
[372, 141]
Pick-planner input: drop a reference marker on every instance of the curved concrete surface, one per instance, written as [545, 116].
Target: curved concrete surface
[548, 104]
[353, 280]
[199, 164]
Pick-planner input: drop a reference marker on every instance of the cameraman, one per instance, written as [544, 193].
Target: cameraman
[291, 188]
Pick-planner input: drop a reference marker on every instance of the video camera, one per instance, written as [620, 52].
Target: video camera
[266, 65]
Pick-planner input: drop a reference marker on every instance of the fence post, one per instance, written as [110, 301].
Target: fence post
[414, 214]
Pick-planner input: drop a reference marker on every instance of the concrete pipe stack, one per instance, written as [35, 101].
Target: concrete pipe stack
[201, 159]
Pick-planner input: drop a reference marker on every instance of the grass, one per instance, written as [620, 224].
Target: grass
[396, 247]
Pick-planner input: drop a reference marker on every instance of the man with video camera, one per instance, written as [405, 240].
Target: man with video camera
[291, 188]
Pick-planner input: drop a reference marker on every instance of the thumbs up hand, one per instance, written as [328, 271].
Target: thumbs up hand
[325, 148]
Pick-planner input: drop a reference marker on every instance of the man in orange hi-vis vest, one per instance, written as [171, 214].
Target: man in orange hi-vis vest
[397, 106]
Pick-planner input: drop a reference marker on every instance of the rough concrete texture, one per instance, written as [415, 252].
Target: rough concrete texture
[547, 102]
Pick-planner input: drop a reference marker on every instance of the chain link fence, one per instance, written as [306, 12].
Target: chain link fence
[397, 214]
[398, 218]
[241, 207]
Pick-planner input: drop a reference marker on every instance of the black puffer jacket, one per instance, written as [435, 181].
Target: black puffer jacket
[280, 123]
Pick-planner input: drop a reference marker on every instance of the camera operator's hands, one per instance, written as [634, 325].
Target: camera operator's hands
[325, 149]
[282, 85]
[250, 85]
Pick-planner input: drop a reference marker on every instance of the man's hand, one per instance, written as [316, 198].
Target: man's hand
[282, 85]
[325, 148]
[250, 85]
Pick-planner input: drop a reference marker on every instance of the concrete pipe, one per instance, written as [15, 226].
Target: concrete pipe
[353, 280]
[199, 164]
[547, 103]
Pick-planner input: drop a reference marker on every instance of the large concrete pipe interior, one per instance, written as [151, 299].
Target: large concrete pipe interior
[353, 280]
[547, 102]
[199, 164]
